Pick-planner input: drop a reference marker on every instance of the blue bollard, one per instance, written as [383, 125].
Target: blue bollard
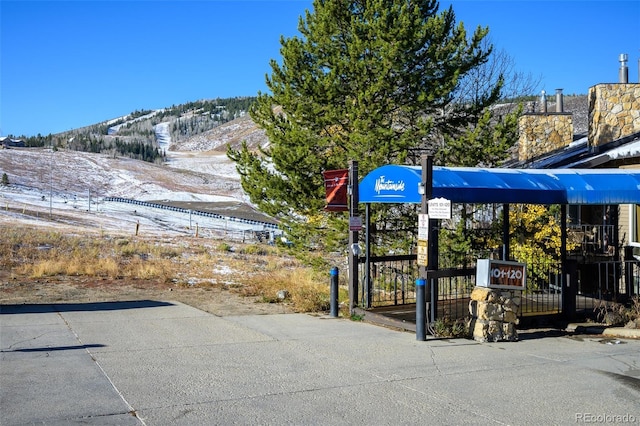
[334, 292]
[421, 310]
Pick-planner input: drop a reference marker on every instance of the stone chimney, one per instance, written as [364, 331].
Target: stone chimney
[543, 132]
[614, 108]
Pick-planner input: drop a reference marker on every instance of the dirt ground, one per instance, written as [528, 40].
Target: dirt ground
[61, 290]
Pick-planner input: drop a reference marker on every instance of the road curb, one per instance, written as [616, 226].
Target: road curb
[632, 333]
[604, 330]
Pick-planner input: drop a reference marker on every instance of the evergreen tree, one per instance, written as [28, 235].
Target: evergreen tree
[486, 143]
[368, 81]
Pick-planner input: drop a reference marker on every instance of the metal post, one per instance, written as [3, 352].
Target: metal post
[421, 309]
[629, 262]
[433, 297]
[424, 200]
[334, 292]
[425, 162]
[353, 237]
[505, 232]
[367, 261]
[432, 263]
[433, 223]
[568, 291]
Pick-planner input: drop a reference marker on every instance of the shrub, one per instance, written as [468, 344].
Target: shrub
[448, 328]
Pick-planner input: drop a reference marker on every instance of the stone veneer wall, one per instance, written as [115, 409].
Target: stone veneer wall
[543, 132]
[494, 314]
[614, 112]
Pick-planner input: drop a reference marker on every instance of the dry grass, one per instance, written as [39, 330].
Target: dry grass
[36, 255]
[302, 287]
[248, 269]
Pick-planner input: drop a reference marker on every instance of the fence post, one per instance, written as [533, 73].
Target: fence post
[334, 292]
[629, 279]
[421, 310]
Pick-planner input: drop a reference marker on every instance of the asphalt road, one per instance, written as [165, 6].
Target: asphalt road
[165, 363]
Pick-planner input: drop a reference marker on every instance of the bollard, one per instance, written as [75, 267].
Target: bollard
[421, 310]
[334, 292]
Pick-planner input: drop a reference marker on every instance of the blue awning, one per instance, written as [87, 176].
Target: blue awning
[399, 184]
[391, 184]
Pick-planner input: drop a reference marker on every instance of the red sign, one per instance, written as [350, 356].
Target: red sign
[336, 183]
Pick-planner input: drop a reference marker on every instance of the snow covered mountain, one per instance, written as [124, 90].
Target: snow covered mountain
[196, 169]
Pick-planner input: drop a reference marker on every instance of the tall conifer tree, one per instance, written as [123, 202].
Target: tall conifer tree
[366, 80]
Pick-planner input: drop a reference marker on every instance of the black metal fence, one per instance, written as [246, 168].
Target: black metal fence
[544, 289]
[452, 289]
[390, 281]
[614, 281]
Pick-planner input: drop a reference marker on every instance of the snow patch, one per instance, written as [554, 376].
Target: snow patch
[163, 137]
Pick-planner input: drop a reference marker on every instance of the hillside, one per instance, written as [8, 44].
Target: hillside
[66, 182]
[231, 133]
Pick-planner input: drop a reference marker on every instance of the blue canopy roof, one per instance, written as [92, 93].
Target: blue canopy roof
[399, 184]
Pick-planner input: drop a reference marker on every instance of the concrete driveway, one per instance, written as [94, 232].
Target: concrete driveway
[165, 363]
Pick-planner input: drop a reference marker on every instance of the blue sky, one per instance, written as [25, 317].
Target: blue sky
[69, 64]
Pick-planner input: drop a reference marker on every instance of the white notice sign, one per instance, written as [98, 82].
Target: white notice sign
[423, 226]
[440, 208]
[355, 223]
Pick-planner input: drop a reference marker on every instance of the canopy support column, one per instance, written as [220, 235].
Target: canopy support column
[367, 258]
[353, 250]
[505, 232]
[568, 273]
[432, 244]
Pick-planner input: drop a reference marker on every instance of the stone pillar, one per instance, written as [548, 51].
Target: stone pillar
[614, 112]
[494, 314]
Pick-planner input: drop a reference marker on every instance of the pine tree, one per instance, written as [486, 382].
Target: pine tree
[368, 81]
[485, 143]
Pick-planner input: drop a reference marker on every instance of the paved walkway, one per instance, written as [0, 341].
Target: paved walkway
[158, 363]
